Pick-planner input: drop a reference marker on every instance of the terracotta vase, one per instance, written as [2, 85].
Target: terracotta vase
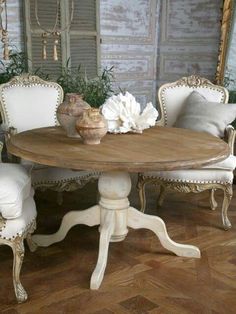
[91, 126]
[68, 112]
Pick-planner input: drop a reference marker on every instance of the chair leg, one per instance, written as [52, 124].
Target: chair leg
[18, 256]
[141, 191]
[32, 246]
[213, 202]
[162, 195]
[228, 193]
[59, 198]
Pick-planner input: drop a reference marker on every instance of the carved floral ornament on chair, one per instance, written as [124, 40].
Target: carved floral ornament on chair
[123, 114]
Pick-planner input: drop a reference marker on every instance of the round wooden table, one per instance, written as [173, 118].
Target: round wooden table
[157, 148]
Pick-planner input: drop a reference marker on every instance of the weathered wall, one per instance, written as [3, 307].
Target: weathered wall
[151, 41]
[129, 31]
[189, 40]
[15, 27]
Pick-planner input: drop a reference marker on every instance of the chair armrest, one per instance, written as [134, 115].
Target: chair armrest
[159, 123]
[8, 133]
[230, 133]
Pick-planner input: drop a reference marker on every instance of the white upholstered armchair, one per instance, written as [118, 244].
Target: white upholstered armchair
[17, 216]
[217, 176]
[28, 102]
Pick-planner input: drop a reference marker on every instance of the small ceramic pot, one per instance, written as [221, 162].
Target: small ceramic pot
[91, 126]
[69, 111]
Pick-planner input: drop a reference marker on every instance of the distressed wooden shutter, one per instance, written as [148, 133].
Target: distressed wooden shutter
[46, 14]
[79, 45]
[84, 37]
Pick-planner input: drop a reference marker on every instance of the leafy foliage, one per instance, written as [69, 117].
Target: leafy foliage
[17, 65]
[229, 82]
[95, 91]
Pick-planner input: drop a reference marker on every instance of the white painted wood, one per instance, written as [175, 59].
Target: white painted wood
[105, 237]
[137, 220]
[120, 228]
[114, 216]
[114, 188]
[89, 217]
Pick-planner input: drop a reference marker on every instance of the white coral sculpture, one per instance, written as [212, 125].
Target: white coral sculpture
[123, 114]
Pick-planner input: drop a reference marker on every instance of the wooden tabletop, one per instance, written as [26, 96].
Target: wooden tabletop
[157, 148]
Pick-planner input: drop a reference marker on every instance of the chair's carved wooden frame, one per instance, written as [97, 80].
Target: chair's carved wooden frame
[184, 186]
[17, 246]
[26, 79]
[68, 185]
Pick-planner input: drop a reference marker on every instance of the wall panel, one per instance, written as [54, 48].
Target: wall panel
[15, 25]
[150, 41]
[129, 32]
[189, 40]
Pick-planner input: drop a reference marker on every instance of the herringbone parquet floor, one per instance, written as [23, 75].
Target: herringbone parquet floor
[141, 276]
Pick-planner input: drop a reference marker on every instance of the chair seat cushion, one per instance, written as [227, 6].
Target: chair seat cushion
[221, 172]
[50, 175]
[193, 176]
[15, 186]
[19, 225]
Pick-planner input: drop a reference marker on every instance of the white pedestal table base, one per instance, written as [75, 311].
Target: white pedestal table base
[114, 215]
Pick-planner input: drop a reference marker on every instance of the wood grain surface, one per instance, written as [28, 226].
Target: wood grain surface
[141, 276]
[157, 148]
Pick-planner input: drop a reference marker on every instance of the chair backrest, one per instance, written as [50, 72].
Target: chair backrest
[28, 102]
[171, 96]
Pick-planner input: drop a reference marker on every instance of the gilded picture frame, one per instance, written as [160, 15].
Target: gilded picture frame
[227, 15]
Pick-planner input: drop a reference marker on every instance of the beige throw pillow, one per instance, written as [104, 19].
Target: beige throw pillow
[200, 115]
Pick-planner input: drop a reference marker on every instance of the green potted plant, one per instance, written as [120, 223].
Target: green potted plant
[94, 91]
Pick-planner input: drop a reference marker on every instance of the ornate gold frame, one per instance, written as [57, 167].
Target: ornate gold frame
[224, 38]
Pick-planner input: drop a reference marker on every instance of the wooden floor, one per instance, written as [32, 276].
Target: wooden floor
[141, 276]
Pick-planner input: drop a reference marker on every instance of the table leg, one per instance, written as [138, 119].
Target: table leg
[105, 237]
[137, 220]
[89, 217]
[114, 215]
